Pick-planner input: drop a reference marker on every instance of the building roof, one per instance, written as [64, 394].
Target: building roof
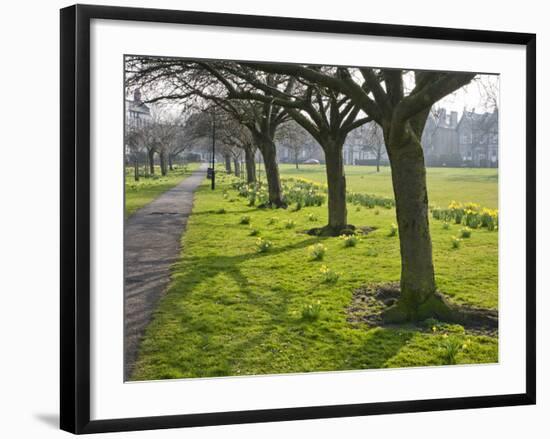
[138, 107]
[482, 121]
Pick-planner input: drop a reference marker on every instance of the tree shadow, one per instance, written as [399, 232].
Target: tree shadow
[208, 267]
[380, 346]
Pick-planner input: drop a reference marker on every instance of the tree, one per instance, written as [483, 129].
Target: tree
[293, 137]
[373, 139]
[178, 79]
[382, 94]
[237, 138]
[327, 114]
[161, 135]
[134, 140]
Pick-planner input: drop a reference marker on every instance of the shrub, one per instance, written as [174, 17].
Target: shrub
[221, 211]
[245, 219]
[377, 212]
[317, 252]
[289, 224]
[465, 232]
[393, 230]
[350, 240]
[358, 209]
[329, 276]
[446, 225]
[254, 232]
[456, 242]
[311, 311]
[297, 207]
[263, 245]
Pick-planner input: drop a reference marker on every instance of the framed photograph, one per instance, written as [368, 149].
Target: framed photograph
[273, 218]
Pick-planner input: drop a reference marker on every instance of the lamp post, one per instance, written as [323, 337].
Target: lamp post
[213, 149]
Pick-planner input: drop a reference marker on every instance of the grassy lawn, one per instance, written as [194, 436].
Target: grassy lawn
[142, 192]
[231, 310]
[444, 184]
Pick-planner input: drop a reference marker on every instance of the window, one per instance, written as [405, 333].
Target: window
[466, 138]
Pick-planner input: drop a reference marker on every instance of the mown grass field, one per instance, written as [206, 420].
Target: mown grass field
[231, 310]
[444, 184]
[139, 193]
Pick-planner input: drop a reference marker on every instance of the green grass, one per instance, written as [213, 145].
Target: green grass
[444, 184]
[232, 310]
[142, 192]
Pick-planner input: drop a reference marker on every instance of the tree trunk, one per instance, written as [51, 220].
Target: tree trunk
[151, 154]
[250, 165]
[162, 156]
[170, 164]
[336, 182]
[418, 299]
[269, 154]
[136, 168]
[296, 159]
[237, 167]
[378, 157]
[227, 163]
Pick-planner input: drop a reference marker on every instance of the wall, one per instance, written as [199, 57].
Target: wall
[29, 218]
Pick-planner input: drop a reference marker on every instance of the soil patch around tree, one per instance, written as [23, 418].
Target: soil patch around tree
[370, 301]
[349, 229]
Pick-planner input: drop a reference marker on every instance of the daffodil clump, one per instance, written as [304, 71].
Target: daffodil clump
[471, 215]
[451, 347]
[298, 191]
[317, 252]
[311, 311]
[303, 192]
[263, 245]
[349, 240]
[289, 224]
[455, 242]
[329, 276]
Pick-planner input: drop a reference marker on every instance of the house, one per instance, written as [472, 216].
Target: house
[363, 145]
[478, 138]
[471, 141]
[138, 114]
[446, 140]
[440, 139]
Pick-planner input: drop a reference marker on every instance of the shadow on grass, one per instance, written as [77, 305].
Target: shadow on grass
[380, 346]
[195, 337]
[188, 274]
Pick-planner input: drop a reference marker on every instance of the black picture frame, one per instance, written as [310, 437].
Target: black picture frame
[75, 217]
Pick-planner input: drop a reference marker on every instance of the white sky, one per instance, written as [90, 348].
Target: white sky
[471, 96]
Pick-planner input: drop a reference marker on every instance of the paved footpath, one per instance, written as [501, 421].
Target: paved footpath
[152, 244]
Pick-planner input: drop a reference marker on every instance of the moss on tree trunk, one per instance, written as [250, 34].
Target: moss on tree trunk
[336, 184]
[418, 299]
